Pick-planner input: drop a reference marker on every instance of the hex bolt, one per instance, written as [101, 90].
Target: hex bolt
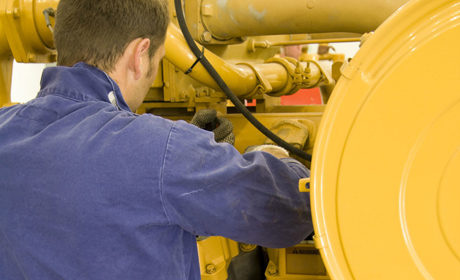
[206, 37]
[210, 268]
[272, 270]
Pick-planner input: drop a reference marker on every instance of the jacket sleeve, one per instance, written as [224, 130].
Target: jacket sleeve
[211, 189]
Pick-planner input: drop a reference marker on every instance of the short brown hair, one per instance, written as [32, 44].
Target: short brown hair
[98, 31]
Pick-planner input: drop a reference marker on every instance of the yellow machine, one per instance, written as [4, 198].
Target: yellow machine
[385, 143]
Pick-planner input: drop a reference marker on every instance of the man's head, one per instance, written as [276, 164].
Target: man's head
[124, 38]
[98, 32]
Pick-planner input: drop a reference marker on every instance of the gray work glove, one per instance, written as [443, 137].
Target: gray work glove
[223, 129]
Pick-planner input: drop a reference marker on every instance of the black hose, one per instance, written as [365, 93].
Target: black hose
[207, 65]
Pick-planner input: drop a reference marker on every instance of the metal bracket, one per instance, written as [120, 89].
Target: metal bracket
[304, 185]
[325, 76]
[263, 87]
[293, 68]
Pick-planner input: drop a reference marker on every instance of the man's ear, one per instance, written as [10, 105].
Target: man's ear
[140, 53]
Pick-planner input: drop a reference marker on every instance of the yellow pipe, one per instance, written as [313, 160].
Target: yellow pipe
[238, 18]
[179, 54]
[6, 69]
[267, 44]
[241, 79]
[4, 46]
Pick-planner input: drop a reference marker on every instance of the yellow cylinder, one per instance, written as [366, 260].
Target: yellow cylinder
[240, 79]
[237, 18]
[4, 47]
[6, 67]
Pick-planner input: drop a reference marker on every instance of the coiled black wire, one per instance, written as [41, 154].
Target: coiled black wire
[208, 66]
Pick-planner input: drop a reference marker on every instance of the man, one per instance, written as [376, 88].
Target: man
[90, 190]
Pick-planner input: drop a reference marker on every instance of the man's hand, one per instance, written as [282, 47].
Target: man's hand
[274, 150]
[223, 129]
[294, 132]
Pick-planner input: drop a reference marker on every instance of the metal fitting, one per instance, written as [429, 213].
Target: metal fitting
[272, 269]
[211, 268]
[206, 37]
[291, 65]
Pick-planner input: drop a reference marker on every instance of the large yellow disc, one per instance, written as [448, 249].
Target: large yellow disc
[386, 166]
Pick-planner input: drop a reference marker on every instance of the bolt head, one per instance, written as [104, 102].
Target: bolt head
[210, 268]
[206, 37]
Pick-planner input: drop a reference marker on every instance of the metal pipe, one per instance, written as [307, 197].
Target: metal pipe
[227, 19]
[6, 69]
[4, 46]
[265, 44]
[314, 41]
[241, 78]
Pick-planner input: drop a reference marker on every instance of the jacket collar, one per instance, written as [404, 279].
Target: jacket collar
[81, 82]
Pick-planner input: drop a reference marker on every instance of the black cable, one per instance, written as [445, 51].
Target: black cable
[208, 66]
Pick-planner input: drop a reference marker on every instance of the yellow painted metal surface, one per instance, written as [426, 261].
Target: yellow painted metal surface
[4, 46]
[27, 34]
[238, 18]
[304, 185]
[276, 77]
[215, 254]
[301, 262]
[387, 158]
[6, 67]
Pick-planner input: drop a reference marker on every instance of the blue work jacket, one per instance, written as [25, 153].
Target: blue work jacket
[90, 190]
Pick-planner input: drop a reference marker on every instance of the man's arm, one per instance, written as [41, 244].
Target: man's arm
[211, 189]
